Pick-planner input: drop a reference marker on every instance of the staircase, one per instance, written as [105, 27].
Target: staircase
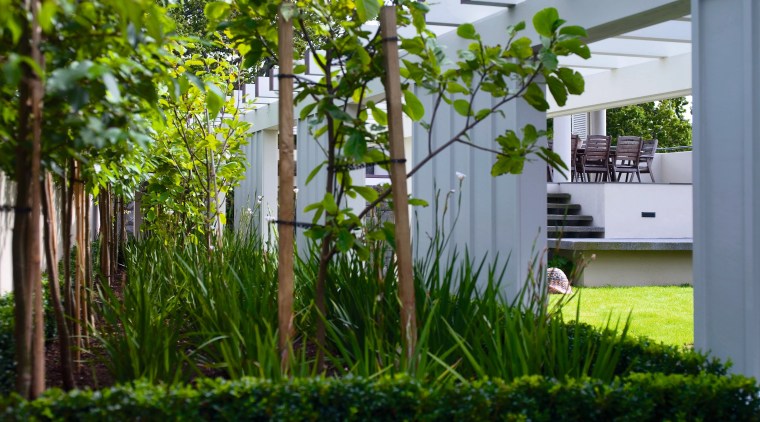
[564, 219]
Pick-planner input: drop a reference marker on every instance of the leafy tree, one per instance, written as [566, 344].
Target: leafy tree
[197, 157]
[99, 70]
[338, 105]
[663, 120]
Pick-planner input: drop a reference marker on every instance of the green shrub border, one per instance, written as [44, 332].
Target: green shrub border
[636, 397]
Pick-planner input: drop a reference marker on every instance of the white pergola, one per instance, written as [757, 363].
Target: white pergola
[641, 51]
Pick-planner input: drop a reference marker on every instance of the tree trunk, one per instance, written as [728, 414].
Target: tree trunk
[81, 267]
[51, 255]
[105, 225]
[90, 318]
[66, 208]
[113, 234]
[29, 331]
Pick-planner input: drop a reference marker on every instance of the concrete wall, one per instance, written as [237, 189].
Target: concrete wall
[672, 167]
[618, 206]
[636, 268]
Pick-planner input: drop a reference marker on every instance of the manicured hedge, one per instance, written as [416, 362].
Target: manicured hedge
[645, 355]
[637, 397]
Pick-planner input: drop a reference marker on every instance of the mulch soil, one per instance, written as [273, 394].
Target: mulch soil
[92, 372]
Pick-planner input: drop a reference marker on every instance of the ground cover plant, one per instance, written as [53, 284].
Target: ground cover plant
[184, 313]
[661, 313]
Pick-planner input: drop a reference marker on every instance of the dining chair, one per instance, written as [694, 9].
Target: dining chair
[648, 150]
[627, 156]
[576, 168]
[596, 158]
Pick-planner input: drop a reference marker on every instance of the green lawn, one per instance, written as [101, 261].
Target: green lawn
[664, 314]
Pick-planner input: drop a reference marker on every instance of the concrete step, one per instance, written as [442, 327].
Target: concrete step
[574, 232]
[569, 220]
[558, 198]
[562, 209]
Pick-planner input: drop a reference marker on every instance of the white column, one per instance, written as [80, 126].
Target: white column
[503, 215]
[598, 122]
[727, 180]
[310, 155]
[260, 181]
[266, 179]
[563, 127]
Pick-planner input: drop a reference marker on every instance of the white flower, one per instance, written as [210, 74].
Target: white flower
[295, 190]
[211, 247]
[249, 211]
[453, 191]
[460, 176]
[259, 198]
[269, 218]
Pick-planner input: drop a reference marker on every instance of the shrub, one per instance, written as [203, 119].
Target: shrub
[7, 359]
[637, 397]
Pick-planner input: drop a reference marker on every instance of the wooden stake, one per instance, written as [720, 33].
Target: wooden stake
[286, 209]
[398, 181]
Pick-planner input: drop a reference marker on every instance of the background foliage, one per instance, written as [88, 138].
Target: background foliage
[664, 120]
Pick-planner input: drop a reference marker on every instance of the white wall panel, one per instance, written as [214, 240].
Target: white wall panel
[727, 180]
[500, 216]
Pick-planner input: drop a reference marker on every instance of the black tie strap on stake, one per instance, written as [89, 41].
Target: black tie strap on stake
[297, 224]
[358, 166]
[285, 76]
[11, 208]
[390, 39]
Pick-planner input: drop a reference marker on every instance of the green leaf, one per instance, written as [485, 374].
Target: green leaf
[356, 145]
[417, 202]
[331, 207]
[46, 14]
[112, 87]
[482, 113]
[573, 80]
[314, 172]
[389, 229]
[509, 141]
[534, 95]
[548, 59]
[312, 207]
[214, 99]
[413, 106]
[216, 10]
[506, 164]
[380, 116]
[558, 90]
[455, 88]
[316, 232]
[345, 240]
[577, 31]
[467, 31]
[366, 192]
[544, 21]
[367, 9]
[530, 134]
[338, 114]
[576, 46]
[462, 107]
[306, 110]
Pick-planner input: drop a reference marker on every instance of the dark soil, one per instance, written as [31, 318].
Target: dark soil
[92, 371]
